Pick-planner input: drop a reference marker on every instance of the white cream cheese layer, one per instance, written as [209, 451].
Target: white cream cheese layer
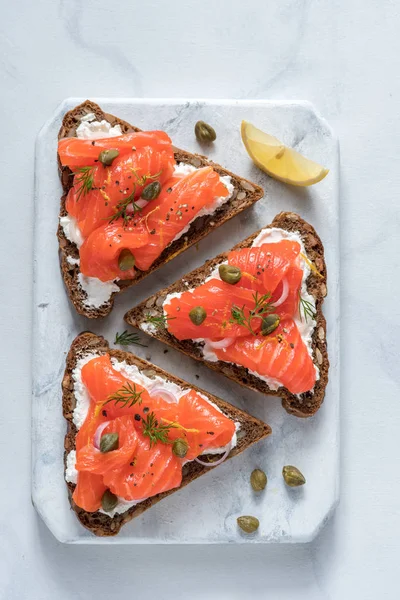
[185, 169]
[97, 292]
[91, 129]
[305, 327]
[100, 291]
[71, 230]
[131, 372]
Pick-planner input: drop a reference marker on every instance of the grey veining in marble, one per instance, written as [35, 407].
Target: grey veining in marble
[205, 511]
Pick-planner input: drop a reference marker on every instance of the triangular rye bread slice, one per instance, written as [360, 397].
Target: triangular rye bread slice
[251, 429]
[244, 195]
[303, 405]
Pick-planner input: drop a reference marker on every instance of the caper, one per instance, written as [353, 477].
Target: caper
[109, 501]
[248, 524]
[258, 480]
[292, 476]
[197, 315]
[108, 442]
[106, 157]
[151, 191]
[204, 132]
[126, 260]
[180, 448]
[269, 324]
[230, 274]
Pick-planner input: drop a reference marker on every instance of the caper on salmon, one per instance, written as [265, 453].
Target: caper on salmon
[258, 480]
[230, 274]
[204, 132]
[180, 448]
[151, 191]
[109, 442]
[269, 324]
[106, 157]
[109, 501]
[126, 260]
[197, 315]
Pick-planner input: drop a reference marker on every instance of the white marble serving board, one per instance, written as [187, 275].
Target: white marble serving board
[206, 510]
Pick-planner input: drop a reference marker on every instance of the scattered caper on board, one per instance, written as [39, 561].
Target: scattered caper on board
[292, 476]
[204, 132]
[258, 480]
[248, 524]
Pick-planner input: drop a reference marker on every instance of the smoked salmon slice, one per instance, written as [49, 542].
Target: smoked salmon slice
[237, 317]
[268, 263]
[214, 430]
[100, 252]
[150, 472]
[102, 382]
[76, 152]
[91, 459]
[143, 464]
[177, 205]
[217, 298]
[104, 195]
[282, 356]
[89, 491]
[99, 192]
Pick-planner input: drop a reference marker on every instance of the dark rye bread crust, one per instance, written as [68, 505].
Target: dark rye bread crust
[251, 429]
[244, 195]
[303, 405]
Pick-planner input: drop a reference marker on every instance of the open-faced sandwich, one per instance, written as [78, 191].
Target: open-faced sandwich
[131, 203]
[137, 433]
[254, 314]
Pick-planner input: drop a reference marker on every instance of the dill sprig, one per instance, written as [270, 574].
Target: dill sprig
[120, 208]
[155, 431]
[142, 180]
[84, 177]
[262, 306]
[127, 396]
[128, 339]
[158, 321]
[307, 307]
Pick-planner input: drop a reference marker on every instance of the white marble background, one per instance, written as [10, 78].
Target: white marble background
[344, 57]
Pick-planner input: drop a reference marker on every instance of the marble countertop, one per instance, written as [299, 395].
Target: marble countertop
[342, 56]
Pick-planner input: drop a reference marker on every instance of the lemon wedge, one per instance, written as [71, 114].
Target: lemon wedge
[279, 161]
